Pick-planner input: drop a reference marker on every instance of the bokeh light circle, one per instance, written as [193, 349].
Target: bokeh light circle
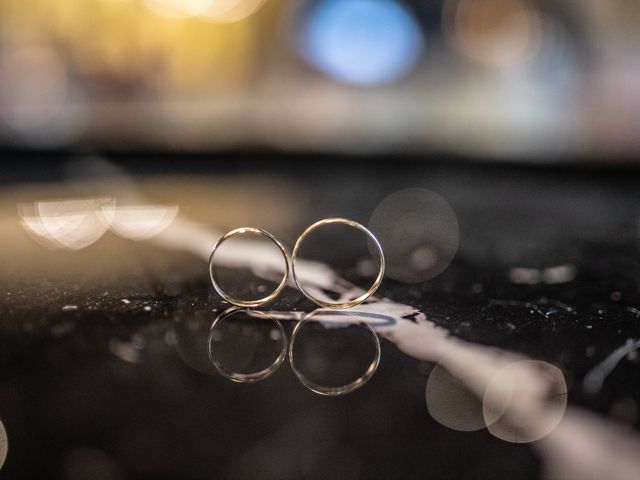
[34, 86]
[493, 32]
[418, 231]
[217, 11]
[525, 401]
[188, 335]
[452, 404]
[361, 42]
[4, 444]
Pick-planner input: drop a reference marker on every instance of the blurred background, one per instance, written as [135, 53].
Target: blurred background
[541, 80]
[490, 145]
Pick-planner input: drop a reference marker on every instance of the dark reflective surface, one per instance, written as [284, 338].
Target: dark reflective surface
[104, 360]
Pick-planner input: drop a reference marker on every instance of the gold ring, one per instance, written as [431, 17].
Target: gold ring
[260, 301]
[355, 301]
[246, 377]
[343, 389]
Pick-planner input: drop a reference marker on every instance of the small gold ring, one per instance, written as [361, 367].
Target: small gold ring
[355, 301]
[343, 389]
[246, 377]
[260, 301]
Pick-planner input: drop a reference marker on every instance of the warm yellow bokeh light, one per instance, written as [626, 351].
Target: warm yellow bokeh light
[222, 11]
[127, 47]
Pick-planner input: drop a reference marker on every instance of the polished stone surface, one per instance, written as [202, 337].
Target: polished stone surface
[103, 350]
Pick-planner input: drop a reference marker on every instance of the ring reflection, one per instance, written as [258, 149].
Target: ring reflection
[239, 348]
[331, 349]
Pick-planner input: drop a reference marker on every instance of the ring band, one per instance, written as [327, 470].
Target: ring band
[355, 301]
[246, 377]
[260, 301]
[343, 389]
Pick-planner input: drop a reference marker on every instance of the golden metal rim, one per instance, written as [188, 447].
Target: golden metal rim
[355, 301]
[249, 303]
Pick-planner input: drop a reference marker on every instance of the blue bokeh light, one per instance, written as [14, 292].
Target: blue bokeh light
[361, 42]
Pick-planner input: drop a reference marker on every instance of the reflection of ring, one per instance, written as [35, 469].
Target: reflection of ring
[260, 301]
[355, 301]
[343, 389]
[246, 377]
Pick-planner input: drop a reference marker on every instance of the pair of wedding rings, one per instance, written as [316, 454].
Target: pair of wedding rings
[271, 296]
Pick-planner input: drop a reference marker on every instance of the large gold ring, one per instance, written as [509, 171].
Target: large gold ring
[253, 376]
[260, 301]
[342, 389]
[355, 301]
